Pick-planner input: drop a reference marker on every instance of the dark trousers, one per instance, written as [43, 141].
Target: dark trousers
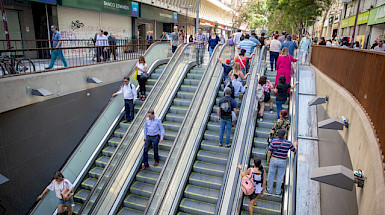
[100, 52]
[273, 57]
[142, 85]
[129, 108]
[151, 140]
[174, 48]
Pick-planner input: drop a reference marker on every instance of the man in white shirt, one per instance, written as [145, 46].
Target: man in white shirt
[380, 47]
[129, 94]
[101, 45]
[237, 37]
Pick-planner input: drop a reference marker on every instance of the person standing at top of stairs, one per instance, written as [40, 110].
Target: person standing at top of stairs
[129, 94]
[153, 134]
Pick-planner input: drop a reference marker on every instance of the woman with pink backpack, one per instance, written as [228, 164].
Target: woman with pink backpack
[253, 182]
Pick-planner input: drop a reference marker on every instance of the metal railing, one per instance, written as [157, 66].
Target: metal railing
[361, 72]
[35, 56]
[290, 186]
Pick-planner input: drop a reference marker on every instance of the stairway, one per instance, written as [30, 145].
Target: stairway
[143, 185]
[201, 193]
[268, 204]
[97, 167]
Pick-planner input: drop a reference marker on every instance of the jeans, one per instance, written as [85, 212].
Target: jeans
[277, 166]
[173, 48]
[112, 51]
[273, 59]
[225, 123]
[100, 52]
[279, 106]
[55, 54]
[199, 56]
[211, 50]
[302, 56]
[151, 140]
[129, 108]
[243, 71]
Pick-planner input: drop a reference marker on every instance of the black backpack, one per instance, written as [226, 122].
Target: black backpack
[232, 89]
[242, 37]
[226, 109]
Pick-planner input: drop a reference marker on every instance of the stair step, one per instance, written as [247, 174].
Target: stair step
[142, 189]
[108, 151]
[212, 157]
[263, 207]
[147, 176]
[95, 172]
[213, 146]
[162, 154]
[81, 195]
[135, 202]
[178, 109]
[114, 142]
[196, 207]
[201, 194]
[209, 168]
[204, 180]
[129, 211]
[89, 183]
[102, 161]
[170, 125]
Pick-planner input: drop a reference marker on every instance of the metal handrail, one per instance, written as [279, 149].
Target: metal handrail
[180, 130]
[289, 195]
[179, 49]
[235, 139]
[244, 158]
[33, 208]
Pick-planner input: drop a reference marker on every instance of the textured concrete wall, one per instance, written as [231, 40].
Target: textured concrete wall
[13, 93]
[361, 143]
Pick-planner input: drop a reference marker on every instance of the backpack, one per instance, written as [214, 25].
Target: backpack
[242, 37]
[232, 89]
[247, 184]
[260, 93]
[226, 109]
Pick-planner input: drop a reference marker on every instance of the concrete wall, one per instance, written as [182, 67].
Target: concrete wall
[361, 143]
[13, 93]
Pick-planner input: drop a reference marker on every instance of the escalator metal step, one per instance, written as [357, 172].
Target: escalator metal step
[196, 207]
[135, 202]
[212, 157]
[201, 194]
[204, 180]
[209, 168]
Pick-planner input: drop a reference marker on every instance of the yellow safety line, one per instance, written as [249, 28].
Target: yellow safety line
[196, 209]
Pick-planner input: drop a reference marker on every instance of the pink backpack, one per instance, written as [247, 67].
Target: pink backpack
[247, 185]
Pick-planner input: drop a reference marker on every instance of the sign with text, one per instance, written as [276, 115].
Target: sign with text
[109, 6]
[135, 9]
[377, 15]
[155, 13]
[362, 19]
[45, 1]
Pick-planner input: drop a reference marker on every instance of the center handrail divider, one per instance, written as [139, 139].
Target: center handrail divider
[211, 60]
[236, 140]
[78, 147]
[176, 55]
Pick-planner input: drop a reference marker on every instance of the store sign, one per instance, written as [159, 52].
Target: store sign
[135, 9]
[175, 17]
[206, 23]
[362, 19]
[155, 13]
[45, 1]
[108, 6]
[377, 15]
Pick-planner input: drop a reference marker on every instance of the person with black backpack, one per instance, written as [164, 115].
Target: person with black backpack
[236, 86]
[226, 106]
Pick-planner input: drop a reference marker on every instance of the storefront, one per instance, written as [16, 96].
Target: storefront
[82, 19]
[182, 21]
[155, 20]
[206, 26]
[348, 24]
[377, 23]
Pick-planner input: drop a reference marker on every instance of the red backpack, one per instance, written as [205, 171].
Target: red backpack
[247, 185]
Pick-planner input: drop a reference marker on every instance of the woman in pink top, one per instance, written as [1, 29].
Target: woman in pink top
[284, 65]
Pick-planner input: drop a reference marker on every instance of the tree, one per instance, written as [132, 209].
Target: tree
[325, 7]
[256, 13]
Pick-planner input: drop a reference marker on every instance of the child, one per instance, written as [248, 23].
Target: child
[227, 68]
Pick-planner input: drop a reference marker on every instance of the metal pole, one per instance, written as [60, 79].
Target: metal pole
[6, 32]
[49, 35]
[355, 24]
[186, 24]
[197, 19]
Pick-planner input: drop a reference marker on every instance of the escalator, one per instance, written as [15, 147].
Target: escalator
[141, 188]
[201, 193]
[109, 148]
[268, 204]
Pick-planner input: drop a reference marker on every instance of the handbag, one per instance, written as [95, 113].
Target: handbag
[65, 193]
[136, 75]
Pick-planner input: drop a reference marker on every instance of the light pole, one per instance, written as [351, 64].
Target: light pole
[197, 19]
[186, 7]
[355, 24]
[312, 31]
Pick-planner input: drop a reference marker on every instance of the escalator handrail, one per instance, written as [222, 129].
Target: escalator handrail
[180, 48]
[180, 129]
[98, 118]
[245, 154]
[289, 194]
[197, 142]
[235, 136]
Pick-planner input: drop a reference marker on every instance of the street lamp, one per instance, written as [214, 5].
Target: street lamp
[186, 7]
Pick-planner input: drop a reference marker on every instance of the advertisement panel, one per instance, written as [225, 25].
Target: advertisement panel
[159, 14]
[377, 15]
[45, 1]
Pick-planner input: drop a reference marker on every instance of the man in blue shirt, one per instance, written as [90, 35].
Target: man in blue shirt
[254, 39]
[226, 106]
[153, 134]
[304, 48]
[238, 88]
[290, 45]
[56, 52]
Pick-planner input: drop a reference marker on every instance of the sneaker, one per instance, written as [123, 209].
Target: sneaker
[47, 68]
[125, 121]
[261, 119]
[145, 167]
[156, 163]
[220, 144]
[271, 111]
[228, 146]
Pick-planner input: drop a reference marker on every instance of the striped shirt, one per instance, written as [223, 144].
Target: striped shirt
[280, 152]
